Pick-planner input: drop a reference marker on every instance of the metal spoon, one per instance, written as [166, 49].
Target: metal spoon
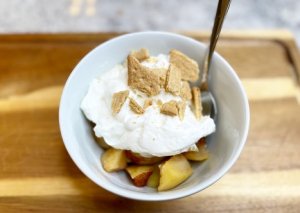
[208, 101]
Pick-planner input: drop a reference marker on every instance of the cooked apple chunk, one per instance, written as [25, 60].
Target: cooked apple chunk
[173, 172]
[101, 142]
[114, 160]
[139, 174]
[200, 155]
[141, 160]
[153, 180]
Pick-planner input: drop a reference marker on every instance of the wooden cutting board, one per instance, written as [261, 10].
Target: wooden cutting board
[37, 174]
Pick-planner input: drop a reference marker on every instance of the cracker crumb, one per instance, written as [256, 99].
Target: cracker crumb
[135, 107]
[173, 81]
[188, 67]
[118, 100]
[181, 109]
[147, 103]
[169, 108]
[142, 78]
[185, 90]
[197, 102]
[141, 54]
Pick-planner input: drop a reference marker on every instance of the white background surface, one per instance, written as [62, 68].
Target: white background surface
[137, 15]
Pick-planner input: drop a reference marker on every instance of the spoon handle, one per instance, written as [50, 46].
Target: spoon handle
[221, 12]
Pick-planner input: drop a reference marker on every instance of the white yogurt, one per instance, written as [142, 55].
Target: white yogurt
[151, 133]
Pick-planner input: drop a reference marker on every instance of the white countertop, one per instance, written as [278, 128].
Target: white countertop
[137, 15]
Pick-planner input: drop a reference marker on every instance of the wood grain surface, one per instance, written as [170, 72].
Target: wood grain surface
[37, 174]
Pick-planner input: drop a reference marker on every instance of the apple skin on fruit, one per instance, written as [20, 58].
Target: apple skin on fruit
[139, 174]
[141, 160]
[173, 172]
[113, 160]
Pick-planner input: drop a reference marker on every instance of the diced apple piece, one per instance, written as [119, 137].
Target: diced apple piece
[197, 156]
[201, 154]
[153, 180]
[113, 160]
[141, 160]
[101, 142]
[173, 172]
[139, 174]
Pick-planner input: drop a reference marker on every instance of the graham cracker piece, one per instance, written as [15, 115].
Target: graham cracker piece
[173, 81]
[118, 100]
[151, 59]
[188, 67]
[142, 78]
[181, 109]
[135, 107]
[141, 54]
[147, 103]
[169, 108]
[185, 90]
[162, 74]
[197, 102]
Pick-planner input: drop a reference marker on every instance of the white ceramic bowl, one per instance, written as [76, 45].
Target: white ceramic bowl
[225, 144]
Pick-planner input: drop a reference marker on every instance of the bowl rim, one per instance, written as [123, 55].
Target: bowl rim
[159, 196]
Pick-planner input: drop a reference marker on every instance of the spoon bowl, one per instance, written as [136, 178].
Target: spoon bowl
[209, 106]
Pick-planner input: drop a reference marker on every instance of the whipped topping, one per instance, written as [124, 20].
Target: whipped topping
[150, 134]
